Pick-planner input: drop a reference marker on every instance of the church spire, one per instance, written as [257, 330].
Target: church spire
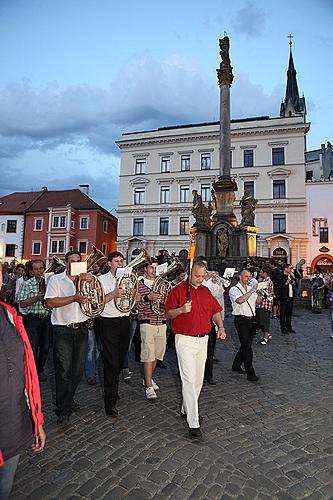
[293, 104]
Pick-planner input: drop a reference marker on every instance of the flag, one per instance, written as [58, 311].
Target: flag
[191, 251]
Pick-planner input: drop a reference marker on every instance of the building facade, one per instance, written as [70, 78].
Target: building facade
[59, 221]
[160, 168]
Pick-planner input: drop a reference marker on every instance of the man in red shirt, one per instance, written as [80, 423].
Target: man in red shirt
[191, 322]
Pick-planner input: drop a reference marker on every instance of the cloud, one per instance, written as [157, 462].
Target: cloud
[249, 20]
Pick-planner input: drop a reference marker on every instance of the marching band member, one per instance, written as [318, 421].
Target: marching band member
[38, 326]
[264, 309]
[152, 329]
[70, 334]
[191, 322]
[113, 328]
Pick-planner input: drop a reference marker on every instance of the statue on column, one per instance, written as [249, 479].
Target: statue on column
[222, 242]
[248, 205]
[199, 211]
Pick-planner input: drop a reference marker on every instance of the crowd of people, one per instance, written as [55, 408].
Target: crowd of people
[37, 314]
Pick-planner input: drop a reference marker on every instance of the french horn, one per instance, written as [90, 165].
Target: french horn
[163, 287]
[93, 290]
[129, 283]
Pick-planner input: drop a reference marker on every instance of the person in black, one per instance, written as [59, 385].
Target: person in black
[275, 273]
[284, 287]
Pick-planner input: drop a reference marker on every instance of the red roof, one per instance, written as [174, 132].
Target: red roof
[18, 203]
[41, 201]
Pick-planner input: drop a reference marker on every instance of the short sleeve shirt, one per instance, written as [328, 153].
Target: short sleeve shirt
[246, 308]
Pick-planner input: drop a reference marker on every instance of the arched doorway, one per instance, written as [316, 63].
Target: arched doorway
[135, 252]
[324, 261]
[280, 254]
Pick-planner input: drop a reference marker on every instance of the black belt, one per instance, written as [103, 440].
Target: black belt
[243, 316]
[39, 316]
[195, 336]
[75, 325]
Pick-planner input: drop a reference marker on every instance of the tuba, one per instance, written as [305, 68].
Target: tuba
[129, 283]
[163, 287]
[93, 290]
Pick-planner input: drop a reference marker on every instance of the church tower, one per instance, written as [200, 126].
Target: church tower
[293, 104]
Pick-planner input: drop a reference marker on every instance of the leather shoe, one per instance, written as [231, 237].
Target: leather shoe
[210, 381]
[291, 331]
[113, 412]
[63, 420]
[254, 378]
[285, 332]
[238, 370]
[195, 433]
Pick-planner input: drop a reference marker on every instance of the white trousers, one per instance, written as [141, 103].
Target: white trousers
[191, 354]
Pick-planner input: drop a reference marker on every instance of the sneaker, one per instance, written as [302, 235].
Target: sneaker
[269, 336]
[153, 384]
[150, 393]
[263, 341]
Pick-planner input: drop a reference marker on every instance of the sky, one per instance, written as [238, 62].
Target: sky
[76, 74]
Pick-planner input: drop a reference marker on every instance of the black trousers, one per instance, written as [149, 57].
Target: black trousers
[114, 336]
[246, 330]
[286, 312]
[69, 352]
[210, 354]
[39, 331]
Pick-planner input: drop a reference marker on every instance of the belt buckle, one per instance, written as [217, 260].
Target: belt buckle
[75, 326]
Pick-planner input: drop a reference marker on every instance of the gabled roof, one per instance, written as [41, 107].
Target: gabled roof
[19, 202]
[73, 197]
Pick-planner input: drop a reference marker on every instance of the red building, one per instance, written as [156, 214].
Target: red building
[59, 221]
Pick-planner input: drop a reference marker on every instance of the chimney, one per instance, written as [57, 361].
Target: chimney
[84, 188]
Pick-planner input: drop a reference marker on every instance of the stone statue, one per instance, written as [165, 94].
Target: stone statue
[224, 50]
[222, 242]
[199, 211]
[224, 73]
[248, 205]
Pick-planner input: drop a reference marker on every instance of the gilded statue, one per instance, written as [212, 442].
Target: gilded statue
[199, 211]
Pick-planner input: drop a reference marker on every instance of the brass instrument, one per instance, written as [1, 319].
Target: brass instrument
[93, 290]
[129, 283]
[163, 287]
[55, 262]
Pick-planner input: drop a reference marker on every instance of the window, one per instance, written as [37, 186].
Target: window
[38, 225]
[84, 222]
[308, 175]
[82, 246]
[279, 223]
[140, 166]
[10, 250]
[3, 226]
[138, 227]
[318, 224]
[57, 246]
[184, 194]
[249, 186]
[184, 225]
[105, 226]
[165, 194]
[185, 163]
[11, 226]
[278, 156]
[279, 189]
[36, 247]
[105, 248]
[205, 161]
[165, 164]
[164, 226]
[323, 234]
[139, 196]
[73, 224]
[248, 158]
[63, 221]
[55, 221]
[205, 192]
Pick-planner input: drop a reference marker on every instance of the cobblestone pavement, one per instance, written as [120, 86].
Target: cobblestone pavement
[270, 440]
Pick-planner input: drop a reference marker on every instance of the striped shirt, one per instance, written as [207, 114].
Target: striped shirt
[144, 305]
[30, 289]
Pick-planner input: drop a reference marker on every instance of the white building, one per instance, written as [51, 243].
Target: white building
[160, 168]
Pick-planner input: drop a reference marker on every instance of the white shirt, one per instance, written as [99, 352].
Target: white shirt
[109, 284]
[60, 285]
[217, 290]
[242, 309]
